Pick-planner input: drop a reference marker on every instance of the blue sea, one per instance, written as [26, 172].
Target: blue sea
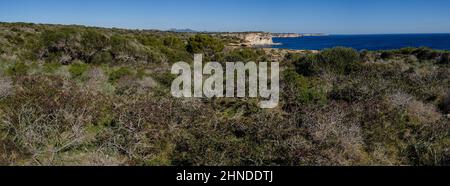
[368, 42]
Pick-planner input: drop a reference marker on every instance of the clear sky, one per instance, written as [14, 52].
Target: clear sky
[300, 16]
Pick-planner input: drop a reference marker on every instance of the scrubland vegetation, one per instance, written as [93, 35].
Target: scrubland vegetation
[72, 95]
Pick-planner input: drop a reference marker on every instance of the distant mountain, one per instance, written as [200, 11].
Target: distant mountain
[187, 30]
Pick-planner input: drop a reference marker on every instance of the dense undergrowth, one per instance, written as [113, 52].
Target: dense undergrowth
[72, 95]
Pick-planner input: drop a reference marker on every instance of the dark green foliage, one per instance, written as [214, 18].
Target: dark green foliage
[77, 69]
[308, 65]
[425, 54]
[17, 69]
[95, 46]
[54, 44]
[293, 57]
[407, 51]
[165, 79]
[115, 75]
[341, 60]
[51, 67]
[386, 55]
[173, 42]
[445, 59]
[336, 60]
[445, 105]
[204, 44]
[102, 58]
[303, 90]
[120, 44]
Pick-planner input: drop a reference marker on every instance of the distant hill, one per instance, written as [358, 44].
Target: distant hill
[187, 30]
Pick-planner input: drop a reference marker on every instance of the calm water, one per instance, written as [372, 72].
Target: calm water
[369, 42]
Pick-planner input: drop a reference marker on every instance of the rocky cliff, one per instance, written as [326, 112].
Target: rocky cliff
[286, 35]
[260, 38]
[253, 38]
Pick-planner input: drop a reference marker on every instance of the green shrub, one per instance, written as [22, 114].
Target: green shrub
[407, 50]
[102, 58]
[204, 44]
[426, 53]
[337, 60]
[174, 42]
[51, 67]
[57, 38]
[93, 40]
[293, 57]
[151, 40]
[15, 39]
[348, 92]
[341, 60]
[78, 69]
[121, 45]
[119, 73]
[174, 55]
[306, 91]
[309, 65]
[165, 79]
[18, 69]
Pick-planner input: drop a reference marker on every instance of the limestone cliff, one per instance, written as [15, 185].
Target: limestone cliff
[286, 35]
[253, 38]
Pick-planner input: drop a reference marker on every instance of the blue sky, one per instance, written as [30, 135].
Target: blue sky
[300, 16]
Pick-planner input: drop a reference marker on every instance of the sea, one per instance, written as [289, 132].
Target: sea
[366, 42]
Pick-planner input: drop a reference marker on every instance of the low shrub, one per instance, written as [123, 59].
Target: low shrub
[165, 79]
[115, 75]
[6, 87]
[445, 58]
[18, 69]
[302, 90]
[78, 69]
[337, 60]
[205, 44]
[51, 67]
[426, 54]
[341, 60]
[445, 105]
[102, 58]
[386, 55]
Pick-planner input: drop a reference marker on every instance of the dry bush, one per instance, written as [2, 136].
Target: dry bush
[337, 133]
[418, 112]
[97, 81]
[400, 130]
[400, 99]
[143, 129]
[46, 117]
[6, 87]
[146, 84]
[126, 85]
[423, 113]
